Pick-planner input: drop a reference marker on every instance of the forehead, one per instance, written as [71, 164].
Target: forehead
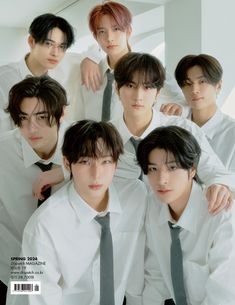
[106, 21]
[195, 72]
[160, 156]
[31, 104]
[56, 35]
[95, 149]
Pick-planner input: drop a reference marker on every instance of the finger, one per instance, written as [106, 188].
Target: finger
[211, 196]
[221, 201]
[96, 82]
[162, 107]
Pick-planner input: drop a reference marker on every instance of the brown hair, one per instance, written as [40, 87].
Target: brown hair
[210, 66]
[46, 90]
[117, 11]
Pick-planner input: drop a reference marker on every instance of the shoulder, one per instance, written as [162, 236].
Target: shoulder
[52, 211]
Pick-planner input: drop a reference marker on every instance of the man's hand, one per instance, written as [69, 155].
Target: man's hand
[171, 109]
[46, 180]
[219, 197]
[90, 74]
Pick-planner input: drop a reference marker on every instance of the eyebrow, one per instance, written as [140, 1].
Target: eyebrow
[168, 162]
[34, 113]
[199, 77]
[62, 43]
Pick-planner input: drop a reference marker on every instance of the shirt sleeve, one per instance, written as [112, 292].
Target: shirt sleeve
[94, 53]
[221, 260]
[210, 168]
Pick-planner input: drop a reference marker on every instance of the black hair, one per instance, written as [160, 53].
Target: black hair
[210, 66]
[175, 140]
[149, 69]
[43, 24]
[46, 90]
[81, 140]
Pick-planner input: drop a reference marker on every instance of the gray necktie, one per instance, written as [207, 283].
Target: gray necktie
[106, 262]
[135, 143]
[177, 275]
[47, 192]
[106, 106]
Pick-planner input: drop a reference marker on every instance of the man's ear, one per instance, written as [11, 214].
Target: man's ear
[65, 110]
[192, 172]
[116, 88]
[128, 32]
[218, 87]
[31, 41]
[66, 164]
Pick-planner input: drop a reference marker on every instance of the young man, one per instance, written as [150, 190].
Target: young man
[36, 106]
[110, 24]
[49, 38]
[200, 78]
[139, 78]
[66, 231]
[190, 255]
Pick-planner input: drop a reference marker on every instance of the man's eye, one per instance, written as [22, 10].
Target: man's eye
[48, 43]
[42, 117]
[152, 169]
[23, 118]
[63, 47]
[172, 167]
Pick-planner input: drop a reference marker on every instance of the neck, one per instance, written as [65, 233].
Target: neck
[177, 207]
[138, 125]
[35, 68]
[45, 155]
[112, 60]
[201, 116]
[99, 204]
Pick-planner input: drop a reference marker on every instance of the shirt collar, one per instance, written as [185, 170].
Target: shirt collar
[189, 220]
[209, 127]
[104, 66]
[24, 70]
[30, 156]
[157, 120]
[84, 212]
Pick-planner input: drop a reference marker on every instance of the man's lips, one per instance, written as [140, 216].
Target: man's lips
[95, 186]
[196, 99]
[53, 61]
[111, 46]
[165, 191]
[34, 138]
[137, 106]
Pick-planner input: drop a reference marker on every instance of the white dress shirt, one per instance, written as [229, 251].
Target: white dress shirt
[64, 234]
[17, 203]
[210, 168]
[220, 133]
[208, 246]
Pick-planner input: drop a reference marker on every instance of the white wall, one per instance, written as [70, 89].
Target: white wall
[202, 26]
[13, 44]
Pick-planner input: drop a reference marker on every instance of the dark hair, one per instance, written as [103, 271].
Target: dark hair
[119, 12]
[46, 90]
[210, 66]
[81, 140]
[149, 69]
[43, 24]
[173, 139]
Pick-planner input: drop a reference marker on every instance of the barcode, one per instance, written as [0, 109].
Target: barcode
[25, 287]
